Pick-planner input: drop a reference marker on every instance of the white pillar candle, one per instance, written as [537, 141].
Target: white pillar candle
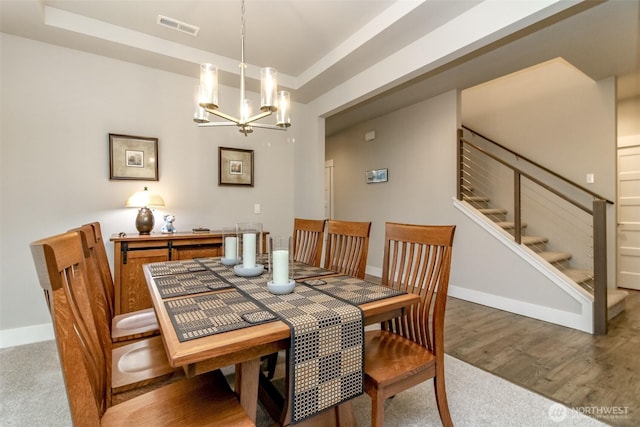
[230, 247]
[281, 267]
[249, 250]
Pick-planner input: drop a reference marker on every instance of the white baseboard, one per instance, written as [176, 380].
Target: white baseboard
[580, 321]
[26, 335]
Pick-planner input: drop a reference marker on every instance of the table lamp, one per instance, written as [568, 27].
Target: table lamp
[144, 200]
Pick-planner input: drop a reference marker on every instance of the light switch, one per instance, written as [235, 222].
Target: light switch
[591, 178]
[256, 208]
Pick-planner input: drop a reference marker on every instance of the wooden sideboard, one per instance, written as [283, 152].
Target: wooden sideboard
[134, 250]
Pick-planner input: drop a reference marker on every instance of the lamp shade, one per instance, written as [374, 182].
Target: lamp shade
[144, 198]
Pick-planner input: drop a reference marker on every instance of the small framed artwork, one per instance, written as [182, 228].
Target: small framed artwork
[377, 175]
[235, 166]
[133, 157]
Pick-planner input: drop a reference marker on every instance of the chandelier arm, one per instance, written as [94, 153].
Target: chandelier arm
[224, 116]
[266, 126]
[258, 117]
[215, 124]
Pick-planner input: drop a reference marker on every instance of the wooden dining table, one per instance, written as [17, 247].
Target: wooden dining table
[245, 347]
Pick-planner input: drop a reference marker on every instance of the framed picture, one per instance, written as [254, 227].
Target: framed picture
[235, 166]
[133, 157]
[377, 175]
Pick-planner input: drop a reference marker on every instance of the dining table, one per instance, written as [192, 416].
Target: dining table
[211, 317]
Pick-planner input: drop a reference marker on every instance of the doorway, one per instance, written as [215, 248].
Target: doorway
[628, 221]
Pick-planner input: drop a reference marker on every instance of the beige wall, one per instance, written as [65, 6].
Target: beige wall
[58, 107]
[417, 145]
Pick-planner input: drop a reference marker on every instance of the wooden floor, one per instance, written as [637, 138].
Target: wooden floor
[586, 372]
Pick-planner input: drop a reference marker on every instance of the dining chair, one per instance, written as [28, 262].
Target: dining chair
[127, 326]
[135, 364]
[347, 247]
[410, 349]
[203, 400]
[308, 239]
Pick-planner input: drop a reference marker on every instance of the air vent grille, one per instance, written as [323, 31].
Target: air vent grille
[178, 25]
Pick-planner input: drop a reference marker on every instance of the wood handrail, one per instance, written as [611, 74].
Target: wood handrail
[550, 172]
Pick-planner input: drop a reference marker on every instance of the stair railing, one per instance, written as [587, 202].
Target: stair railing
[584, 199]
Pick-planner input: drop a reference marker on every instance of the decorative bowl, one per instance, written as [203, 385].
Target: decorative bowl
[243, 271]
[281, 289]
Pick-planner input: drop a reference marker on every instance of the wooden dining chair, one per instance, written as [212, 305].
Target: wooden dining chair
[347, 247]
[127, 326]
[410, 349]
[135, 364]
[199, 401]
[308, 239]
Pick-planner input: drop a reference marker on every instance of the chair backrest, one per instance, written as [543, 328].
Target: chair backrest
[417, 259]
[60, 265]
[347, 247]
[103, 264]
[95, 284]
[308, 239]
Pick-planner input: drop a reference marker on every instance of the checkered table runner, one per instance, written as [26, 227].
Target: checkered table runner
[203, 315]
[356, 291]
[167, 268]
[189, 284]
[327, 344]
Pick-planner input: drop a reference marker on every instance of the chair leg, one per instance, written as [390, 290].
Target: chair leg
[377, 409]
[441, 400]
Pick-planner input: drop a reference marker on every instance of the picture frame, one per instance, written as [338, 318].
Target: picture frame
[133, 157]
[235, 166]
[377, 175]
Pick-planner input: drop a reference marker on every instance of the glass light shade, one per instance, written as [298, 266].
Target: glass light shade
[143, 199]
[284, 105]
[268, 89]
[200, 115]
[209, 83]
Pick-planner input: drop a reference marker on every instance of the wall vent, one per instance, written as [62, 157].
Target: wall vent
[178, 25]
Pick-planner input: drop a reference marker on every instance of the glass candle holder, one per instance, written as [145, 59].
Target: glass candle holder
[230, 248]
[250, 242]
[280, 254]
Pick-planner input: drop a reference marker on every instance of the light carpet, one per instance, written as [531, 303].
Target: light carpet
[32, 394]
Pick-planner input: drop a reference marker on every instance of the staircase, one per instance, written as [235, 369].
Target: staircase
[482, 164]
[559, 260]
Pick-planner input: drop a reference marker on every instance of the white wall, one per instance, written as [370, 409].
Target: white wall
[58, 107]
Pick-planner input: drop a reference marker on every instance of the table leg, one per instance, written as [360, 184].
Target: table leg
[246, 386]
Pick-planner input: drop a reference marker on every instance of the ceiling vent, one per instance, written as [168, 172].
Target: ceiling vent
[177, 25]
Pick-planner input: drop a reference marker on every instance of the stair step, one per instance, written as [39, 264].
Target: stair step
[535, 243]
[616, 302]
[509, 225]
[493, 211]
[495, 214]
[478, 202]
[533, 240]
[579, 276]
[553, 257]
[476, 199]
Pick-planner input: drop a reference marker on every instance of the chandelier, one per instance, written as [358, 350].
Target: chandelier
[271, 101]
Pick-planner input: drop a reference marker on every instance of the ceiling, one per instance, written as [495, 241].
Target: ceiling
[318, 44]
